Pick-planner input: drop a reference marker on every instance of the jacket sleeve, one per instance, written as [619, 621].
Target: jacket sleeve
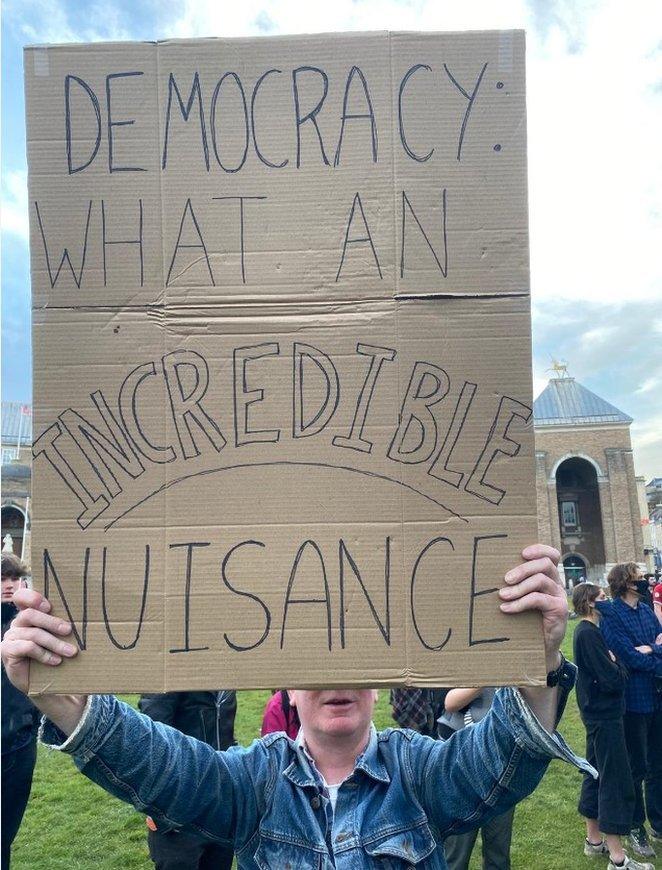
[620, 643]
[483, 770]
[158, 769]
[610, 676]
[160, 708]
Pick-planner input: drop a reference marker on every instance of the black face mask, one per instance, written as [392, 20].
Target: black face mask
[642, 587]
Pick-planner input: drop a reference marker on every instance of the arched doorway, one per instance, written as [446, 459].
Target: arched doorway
[575, 569]
[580, 518]
[13, 524]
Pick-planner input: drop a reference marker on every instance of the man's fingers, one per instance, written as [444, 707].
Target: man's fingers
[533, 601]
[541, 551]
[537, 583]
[43, 639]
[30, 598]
[35, 618]
[20, 649]
[544, 565]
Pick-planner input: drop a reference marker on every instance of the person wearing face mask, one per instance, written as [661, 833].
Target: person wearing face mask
[607, 804]
[632, 632]
[20, 719]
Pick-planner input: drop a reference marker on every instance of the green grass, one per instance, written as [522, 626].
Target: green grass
[71, 824]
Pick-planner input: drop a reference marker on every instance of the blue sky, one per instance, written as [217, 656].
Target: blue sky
[594, 80]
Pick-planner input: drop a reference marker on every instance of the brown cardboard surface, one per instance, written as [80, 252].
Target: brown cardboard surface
[283, 415]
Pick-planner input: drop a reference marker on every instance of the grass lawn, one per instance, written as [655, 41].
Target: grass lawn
[71, 824]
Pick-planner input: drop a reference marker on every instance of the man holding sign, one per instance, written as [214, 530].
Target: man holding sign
[341, 795]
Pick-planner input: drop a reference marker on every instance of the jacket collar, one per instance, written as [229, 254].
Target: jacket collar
[302, 771]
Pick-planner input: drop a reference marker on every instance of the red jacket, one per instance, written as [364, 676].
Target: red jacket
[274, 718]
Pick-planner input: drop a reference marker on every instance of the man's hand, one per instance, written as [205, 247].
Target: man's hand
[535, 585]
[645, 649]
[34, 634]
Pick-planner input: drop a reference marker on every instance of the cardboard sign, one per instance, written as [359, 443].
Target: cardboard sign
[282, 399]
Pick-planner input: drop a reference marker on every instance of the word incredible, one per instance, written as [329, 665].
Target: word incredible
[117, 444]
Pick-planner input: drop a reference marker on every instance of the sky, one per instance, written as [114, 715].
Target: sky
[594, 103]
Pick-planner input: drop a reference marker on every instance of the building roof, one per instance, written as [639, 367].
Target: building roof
[16, 418]
[564, 402]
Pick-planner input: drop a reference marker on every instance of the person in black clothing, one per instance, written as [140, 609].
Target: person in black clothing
[20, 720]
[207, 716]
[608, 804]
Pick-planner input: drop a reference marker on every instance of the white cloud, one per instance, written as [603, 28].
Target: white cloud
[647, 446]
[46, 21]
[648, 385]
[14, 215]
[595, 123]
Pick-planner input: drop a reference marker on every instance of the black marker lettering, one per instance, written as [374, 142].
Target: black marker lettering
[360, 239]
[420, 158]
[49, 569]
[416, 407]
[67, 115]
[439, 467]
[212, 121]
[186, 407]
[128, 405]
[261, 157]
[428, 546]
[111, 124]
[45, 444]
[470, 97]
[406, 205]
[355, 440]
[312, 114]
[200, 245]
[105, 454]
[187, 595]
[267, 613]
[300, 427]
[498, 443]
[242, 247]
[186, 112]
[244, 397]
[65, 256]
[385, 626]
[326, 600]
[350, 116]
[143, 602]
[107, 242]
[475, 594]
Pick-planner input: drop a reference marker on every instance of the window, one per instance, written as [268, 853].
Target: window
[569, 516]
[7, 455]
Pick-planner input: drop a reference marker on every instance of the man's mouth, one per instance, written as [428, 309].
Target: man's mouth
[339, 703]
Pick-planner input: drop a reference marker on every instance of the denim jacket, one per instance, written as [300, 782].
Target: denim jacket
[407, 792]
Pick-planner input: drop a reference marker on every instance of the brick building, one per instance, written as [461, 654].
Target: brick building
[588, 505]
[16, 478]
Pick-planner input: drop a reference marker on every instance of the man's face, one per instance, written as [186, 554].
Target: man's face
[9, 586]
[334, 712]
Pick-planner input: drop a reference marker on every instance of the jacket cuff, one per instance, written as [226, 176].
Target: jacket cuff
[533, 737]
[88, 734]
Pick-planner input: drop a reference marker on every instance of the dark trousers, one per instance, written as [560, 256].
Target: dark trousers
[496, 836]
[178, 850]
[643, 735]
[609, 799]
[17, 768]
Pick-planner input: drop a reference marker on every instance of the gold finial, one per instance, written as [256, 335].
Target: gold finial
[560, 368]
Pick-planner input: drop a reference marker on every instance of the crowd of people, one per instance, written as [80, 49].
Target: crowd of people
[618, 652]
[322, 788]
